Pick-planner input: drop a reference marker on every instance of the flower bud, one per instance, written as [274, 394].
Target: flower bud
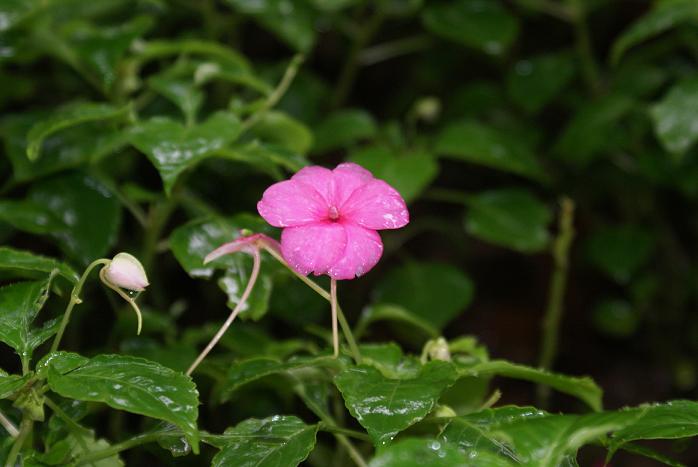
[127, 272]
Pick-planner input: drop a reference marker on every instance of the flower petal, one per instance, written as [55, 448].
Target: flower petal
[318, 178]
[348, 177]
[363, 250]
[125, 271]
[313, 248]
[376, 205]
[292, 203]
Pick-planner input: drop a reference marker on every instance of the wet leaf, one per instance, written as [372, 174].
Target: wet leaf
[68, 116]
[473, 142]
[11, 258]
[434, 292]
[511, 218]
[535, 81]
[78, 201]
[342, 129]
[132, 384]
[482, 24]
[421, 452]
[386, 406]
[20, 304]
[673, 116]
[174, 148]
[664, 16]
[409, 173]
[277, 441]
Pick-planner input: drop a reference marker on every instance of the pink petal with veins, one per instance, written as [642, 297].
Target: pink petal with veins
[313, 248]
[377, 206]
[363, 250]
[348, 177]
[291, 203]
[319, 178]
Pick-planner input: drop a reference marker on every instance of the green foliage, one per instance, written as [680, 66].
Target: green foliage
[154, 126]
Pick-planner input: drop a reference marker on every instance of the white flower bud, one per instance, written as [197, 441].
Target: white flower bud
[127, 272]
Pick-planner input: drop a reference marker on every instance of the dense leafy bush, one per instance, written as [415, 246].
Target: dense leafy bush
[543, 146]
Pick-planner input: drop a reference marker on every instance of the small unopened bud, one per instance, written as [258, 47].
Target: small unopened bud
[438, 350]
[427, 109]
[127, 272]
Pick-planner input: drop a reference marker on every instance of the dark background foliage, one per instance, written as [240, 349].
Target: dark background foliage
[486, 115]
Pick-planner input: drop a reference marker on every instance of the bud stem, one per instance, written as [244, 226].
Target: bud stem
[233, 314]
[74, 300]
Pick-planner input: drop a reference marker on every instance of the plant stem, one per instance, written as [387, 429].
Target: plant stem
[8, 425]
[346, 329]
[75, 300]
[333, 306]
[348, 73]
[117, 448]
[590, 69]
[277, 93]
[125, 296]
[334, 429]
[328, 421]
[77, 430]
[233, 314]
[25, 428]
[558, 285]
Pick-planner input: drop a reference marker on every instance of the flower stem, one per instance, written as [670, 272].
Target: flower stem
[25, 428]
[233, 314]
[75, 300]
[346, 329]
[558, 284]
[277, 93]
[333, 305]
[137, 440]
[8, 425]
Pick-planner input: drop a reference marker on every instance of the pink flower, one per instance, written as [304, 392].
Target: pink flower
[125, 271]
[330, 219]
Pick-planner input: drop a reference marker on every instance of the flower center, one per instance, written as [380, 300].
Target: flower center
[333, 213]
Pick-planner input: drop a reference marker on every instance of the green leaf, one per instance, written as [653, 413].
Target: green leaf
[479, 144]
[665, 15]
[481, 24]
[173, 147]
[191, 243]
[284, 131]
[670, 420]
[226, 57]
[342, 129]
[292, 21]
[68, 148]
[673, 117]
[422, 452]
[385, 406]
[11, 258]
[247, 371]
[95, 50]
[534, 82]
[87, 215]
[132, 384]
[10, 384]
[409, 173]
[14, 12]
[434, 292]
[616, 318]
[594, 129]
[68, 116]
[180, 90]
[277, 441]
[584, 388]
[512, 218]
[20, 303]
[387, 312]
[620, 251]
